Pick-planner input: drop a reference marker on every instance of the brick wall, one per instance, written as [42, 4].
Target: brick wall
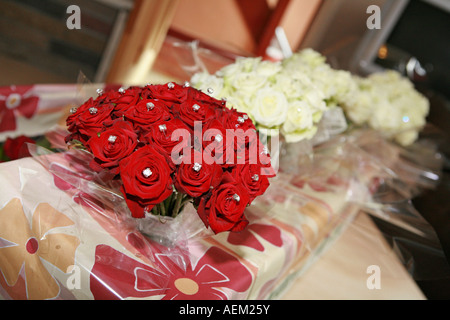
[35, 33]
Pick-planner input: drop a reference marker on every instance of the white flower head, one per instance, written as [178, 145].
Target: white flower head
[248, 82]
[299, 117]
[270, 107]
[204, 81]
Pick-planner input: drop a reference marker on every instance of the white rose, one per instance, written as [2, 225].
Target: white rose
[312, 57]
[248, 83]
[406, 138]
[360, 105]
[306, 58]
[269, 107]
[292, 84]
[315, 99]
[267, 68]
[241, 65]
[299, 117]
[241, 103]
[343, 85]
[206, 82]
[385, 118]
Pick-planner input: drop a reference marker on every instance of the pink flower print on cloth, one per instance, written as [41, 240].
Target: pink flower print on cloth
[16, 99]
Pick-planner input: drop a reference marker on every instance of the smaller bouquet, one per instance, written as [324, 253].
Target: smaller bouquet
[302, 96]
[289, 96]
[171, 144]
[388, 103]
[277, 99]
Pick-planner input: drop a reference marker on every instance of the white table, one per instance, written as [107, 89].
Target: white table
[341, 272]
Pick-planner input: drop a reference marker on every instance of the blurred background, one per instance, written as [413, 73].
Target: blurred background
[115, 35]
[145, 41]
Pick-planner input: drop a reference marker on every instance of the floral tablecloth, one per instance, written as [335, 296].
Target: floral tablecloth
[56, 242]
[59, 242]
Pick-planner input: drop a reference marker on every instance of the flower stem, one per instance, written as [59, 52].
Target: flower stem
[155, 210]
[162, 209]
[178, 200]
[168, 204]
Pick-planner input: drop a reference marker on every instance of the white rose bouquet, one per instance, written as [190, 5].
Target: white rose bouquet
[388, 103]
[276, 95]
[292, 96]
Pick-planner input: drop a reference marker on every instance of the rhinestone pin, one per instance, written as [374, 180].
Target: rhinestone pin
[197, 167]
[218, 138]
[196, 107]
[162, 127]
[236, 197]
[255, 177]
[186, 84]
[150, 106]
[121, 90]
[240, 120]
[99, 91]
[112, 138]
[210, 90]
[170, 85]
[73, 110]
[147, 172]
[93, 110]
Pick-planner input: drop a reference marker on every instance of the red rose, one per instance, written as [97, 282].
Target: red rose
[197, 178]
[162, 134]
[112, 145]
[242, 127]
[251, 178]
[223, 207]
[199, 95]
[171, 91]
[232, 119]
[16, 148]
[216, 147]
[105, 96]
[88, 119]
[256, 153]
[124, 99]
[146, 178]
[75, 113]
[192, 110]
[147, 112]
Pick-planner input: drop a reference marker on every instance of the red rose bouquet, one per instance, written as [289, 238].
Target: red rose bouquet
[171, 144]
